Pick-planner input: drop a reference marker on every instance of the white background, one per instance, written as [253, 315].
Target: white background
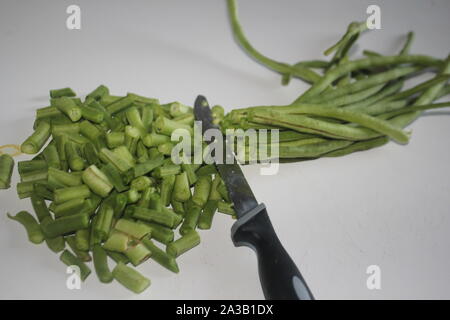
[336, 217]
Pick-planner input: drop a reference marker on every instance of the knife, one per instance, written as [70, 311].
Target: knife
[279, 276]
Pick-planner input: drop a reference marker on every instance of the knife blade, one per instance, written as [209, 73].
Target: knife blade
[279, 276]
[230, 171]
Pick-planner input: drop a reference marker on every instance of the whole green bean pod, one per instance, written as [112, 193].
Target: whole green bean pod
[371, 62]
[6, 169]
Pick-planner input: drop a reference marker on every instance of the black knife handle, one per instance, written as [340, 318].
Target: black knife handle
[279, 276]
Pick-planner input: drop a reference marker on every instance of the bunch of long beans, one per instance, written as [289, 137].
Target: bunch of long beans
[352, 105]
[105, 184]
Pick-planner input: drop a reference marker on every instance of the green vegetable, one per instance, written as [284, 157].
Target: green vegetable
[70, 260]
[31, 226]
[6, 169]
[183, 244]
[130, 278]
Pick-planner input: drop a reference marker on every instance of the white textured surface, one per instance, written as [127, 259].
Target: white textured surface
[387, 207]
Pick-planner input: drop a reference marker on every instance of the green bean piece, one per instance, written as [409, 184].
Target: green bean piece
[101, 264]
[135, 120]
[189, 169]
[103, 223]
[214, 194]
[82, 240]
[92, 114]
[161, 257]
[207, 215]
[64, 92]
[154, 202]
[137, 252]
[115, 177]
[68, 107]
[183, 244]
[34, 176]
[36, 141]
[166, 148]
[151, 215]
[117, 242]
[201, 191]
[69, 193]
[190, 219]
[26, 189]
[187, 119]
[39, 207]
[141, 183]
[133, 229]
[56, 244]
[147, 117]
[148, 166]
[181, 190]
[31, 226]
[141, 152]
[70, 260]
[226, 208]
[154, 140]
[115, 139]
[177, 206]
[47, 112]
[51, 156]
[91, 154]
[67, 208]
[222, 189]
[120, 104]
[97, 181]
[206, 170]
[160, 233]
[75, 161]
[167, 170]
[6, 169]
[30, 165]
[121, 203]
[166, 126]
[98, 92]
[108, 156]
[130, 278]
[118, 257]
[41, 189]
[61, 179]
[133, 196]
[82, 255]
[166, 188]
[65, 225]
[132, 135]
